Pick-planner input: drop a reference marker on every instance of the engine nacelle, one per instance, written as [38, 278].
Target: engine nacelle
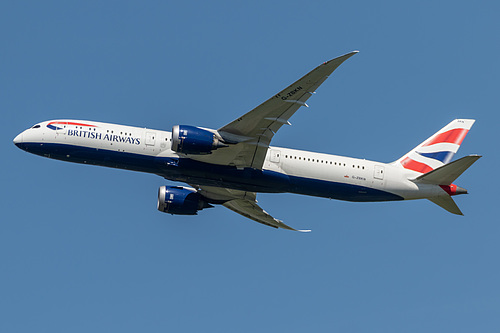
[193, 140]
[179, 200]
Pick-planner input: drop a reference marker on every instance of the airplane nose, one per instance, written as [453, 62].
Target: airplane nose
[18, 140]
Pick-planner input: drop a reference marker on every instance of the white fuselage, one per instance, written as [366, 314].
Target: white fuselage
[149, 150]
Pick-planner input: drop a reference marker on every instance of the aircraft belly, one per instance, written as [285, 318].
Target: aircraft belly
[94, 156]
[194, 172]
[247, 179]
[274, 182]
[339, 191]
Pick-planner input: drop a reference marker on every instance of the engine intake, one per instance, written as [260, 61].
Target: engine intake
[193, 140]
[179, 200]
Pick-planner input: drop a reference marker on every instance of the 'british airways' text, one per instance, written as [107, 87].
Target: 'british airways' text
[104, 137]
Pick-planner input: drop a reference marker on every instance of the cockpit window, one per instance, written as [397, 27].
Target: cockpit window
[36, 126]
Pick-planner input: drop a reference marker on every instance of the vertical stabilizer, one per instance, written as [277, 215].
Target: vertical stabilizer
[437, 150]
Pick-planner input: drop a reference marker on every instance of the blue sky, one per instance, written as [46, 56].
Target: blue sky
[84, 249]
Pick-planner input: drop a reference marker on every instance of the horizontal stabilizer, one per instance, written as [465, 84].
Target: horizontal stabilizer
[446, 202]
[446, 174]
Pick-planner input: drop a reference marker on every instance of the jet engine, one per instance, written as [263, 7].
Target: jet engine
[181, 201]
[193, 140]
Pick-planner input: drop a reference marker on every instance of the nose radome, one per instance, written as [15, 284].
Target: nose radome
[18, 139]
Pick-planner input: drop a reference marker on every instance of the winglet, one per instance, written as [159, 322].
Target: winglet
[338, 61]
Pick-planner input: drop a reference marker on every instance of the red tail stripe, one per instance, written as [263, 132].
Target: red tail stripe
[455, 136]
[408, 163]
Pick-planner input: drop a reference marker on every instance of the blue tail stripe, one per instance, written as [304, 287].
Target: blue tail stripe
[443, 156]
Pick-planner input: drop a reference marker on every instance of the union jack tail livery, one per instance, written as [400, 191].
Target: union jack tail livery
[437, 150]
[431, 159]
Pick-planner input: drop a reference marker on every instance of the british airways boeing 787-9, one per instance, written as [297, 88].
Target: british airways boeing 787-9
[230, 165]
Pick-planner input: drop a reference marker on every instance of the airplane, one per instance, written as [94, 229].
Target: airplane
[230, 165]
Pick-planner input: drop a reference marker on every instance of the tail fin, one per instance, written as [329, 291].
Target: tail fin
[437, 150]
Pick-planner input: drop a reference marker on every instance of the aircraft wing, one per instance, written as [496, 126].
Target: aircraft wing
[243, 203]
[251, 133]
